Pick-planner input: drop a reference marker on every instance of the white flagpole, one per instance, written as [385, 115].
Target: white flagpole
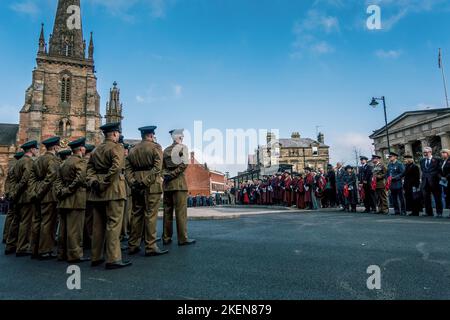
[441, 65]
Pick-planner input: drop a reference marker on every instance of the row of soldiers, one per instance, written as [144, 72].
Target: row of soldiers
[84, 196]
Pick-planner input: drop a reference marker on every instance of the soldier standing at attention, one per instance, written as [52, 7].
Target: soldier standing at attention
[71, 190]
[25, 196]
[12, 219]
[365, 180]
[395, 173]
[43, 177]
[64, 154]
[128, 203]
[175, 189]
[143, 172]
[87, 233]
[108, 194]
[379, 174]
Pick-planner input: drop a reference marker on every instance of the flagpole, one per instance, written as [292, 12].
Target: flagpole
[441, 64]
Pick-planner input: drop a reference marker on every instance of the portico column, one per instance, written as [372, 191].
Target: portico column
[445, 140]
[408, 148]
[424, 142]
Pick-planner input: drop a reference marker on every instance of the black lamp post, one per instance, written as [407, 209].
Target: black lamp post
[374, 104]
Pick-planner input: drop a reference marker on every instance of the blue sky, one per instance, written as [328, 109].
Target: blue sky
[289, 65]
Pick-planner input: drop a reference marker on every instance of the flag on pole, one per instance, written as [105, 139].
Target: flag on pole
[440, 59]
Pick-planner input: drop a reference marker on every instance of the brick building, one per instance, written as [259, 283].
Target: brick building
[202, 180]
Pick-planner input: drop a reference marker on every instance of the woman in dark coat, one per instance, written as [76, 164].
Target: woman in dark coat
[446, 175]
[411, 185]
[350, 189]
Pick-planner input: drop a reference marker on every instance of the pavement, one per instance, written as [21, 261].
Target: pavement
[285, 254]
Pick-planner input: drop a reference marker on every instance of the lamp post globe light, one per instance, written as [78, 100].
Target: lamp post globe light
[374, 103]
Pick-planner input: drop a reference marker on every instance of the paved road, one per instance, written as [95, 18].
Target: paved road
[285, 255]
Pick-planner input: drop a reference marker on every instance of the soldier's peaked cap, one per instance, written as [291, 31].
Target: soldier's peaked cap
[408, 156]
[148, 129]
[19, 155]
[30, 144]
[375, 156]
[363, 158]
[50, 142]
[77, 143]
[65, 153]
[393, 154]
[110, 127]
[89, 148]
[177, 132]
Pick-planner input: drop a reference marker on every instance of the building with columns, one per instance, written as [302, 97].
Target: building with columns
[413, 130]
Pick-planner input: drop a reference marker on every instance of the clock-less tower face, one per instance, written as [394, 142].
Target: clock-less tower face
[63, 99]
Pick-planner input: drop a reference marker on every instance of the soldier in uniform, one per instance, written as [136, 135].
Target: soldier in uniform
[379, 174]
[87, 233]
[108, 195]
[71, 190]
[365, 181]
[395, 172]
[43, 177]
[11, 220]
[128, 203]
[24, 194]
[175, 190]
[143, 173]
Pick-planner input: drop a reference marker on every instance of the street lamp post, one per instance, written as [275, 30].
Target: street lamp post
[374, 104]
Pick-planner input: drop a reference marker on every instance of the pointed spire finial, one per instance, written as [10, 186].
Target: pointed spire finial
[42, 46]
[91, 47]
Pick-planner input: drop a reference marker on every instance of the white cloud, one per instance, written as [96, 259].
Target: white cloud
[343, 146]
[309, 31]
[388, 54]
[28, 7]
[178, 90]
[155, 94]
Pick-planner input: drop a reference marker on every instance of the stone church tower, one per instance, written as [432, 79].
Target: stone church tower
[114, 106]
[63, 99]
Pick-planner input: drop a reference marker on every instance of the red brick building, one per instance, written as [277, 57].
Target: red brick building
[203, 181]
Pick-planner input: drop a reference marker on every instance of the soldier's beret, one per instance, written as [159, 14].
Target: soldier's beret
[89, 148]
[111, 127]
[393, 154]
[375, 156]
[50, 142]
[65, 153]
[348, 167]
[29, 145]
[363, 158]
[77, 143]
[19, 155]
[176, 132]
[148, 130]
[408, 156]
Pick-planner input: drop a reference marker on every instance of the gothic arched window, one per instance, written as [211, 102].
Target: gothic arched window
[65, 88]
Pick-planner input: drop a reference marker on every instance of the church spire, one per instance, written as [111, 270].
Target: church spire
[113, 106]
[67, 38]
[91, 48]
[42, 47]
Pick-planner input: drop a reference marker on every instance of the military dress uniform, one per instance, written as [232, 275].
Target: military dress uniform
[379, 174]
[107, 194]
[88, 217]
[143, 173]
[175, 192]
[395, 172]
[11, 221]
[71, 190]
[25, 196]
[43, 177]
[365, 178]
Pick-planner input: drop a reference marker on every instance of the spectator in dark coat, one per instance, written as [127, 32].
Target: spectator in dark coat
[431, 174]
[446, 175]
[411, 185]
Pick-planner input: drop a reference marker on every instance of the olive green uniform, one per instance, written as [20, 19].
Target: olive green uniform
[71, 190]
[24, 194]
[9, 187]
[43, 177]
[143, 173]
[175, 194]
[107, 194]
[128, 211]
[379, 171]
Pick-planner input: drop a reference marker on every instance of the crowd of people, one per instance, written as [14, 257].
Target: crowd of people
[405, 186]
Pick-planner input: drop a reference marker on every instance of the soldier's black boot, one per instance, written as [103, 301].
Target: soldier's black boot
[117, 265]
[188, 242]
[156, 252]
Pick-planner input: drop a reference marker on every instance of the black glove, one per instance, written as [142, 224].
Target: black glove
[95, 186]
